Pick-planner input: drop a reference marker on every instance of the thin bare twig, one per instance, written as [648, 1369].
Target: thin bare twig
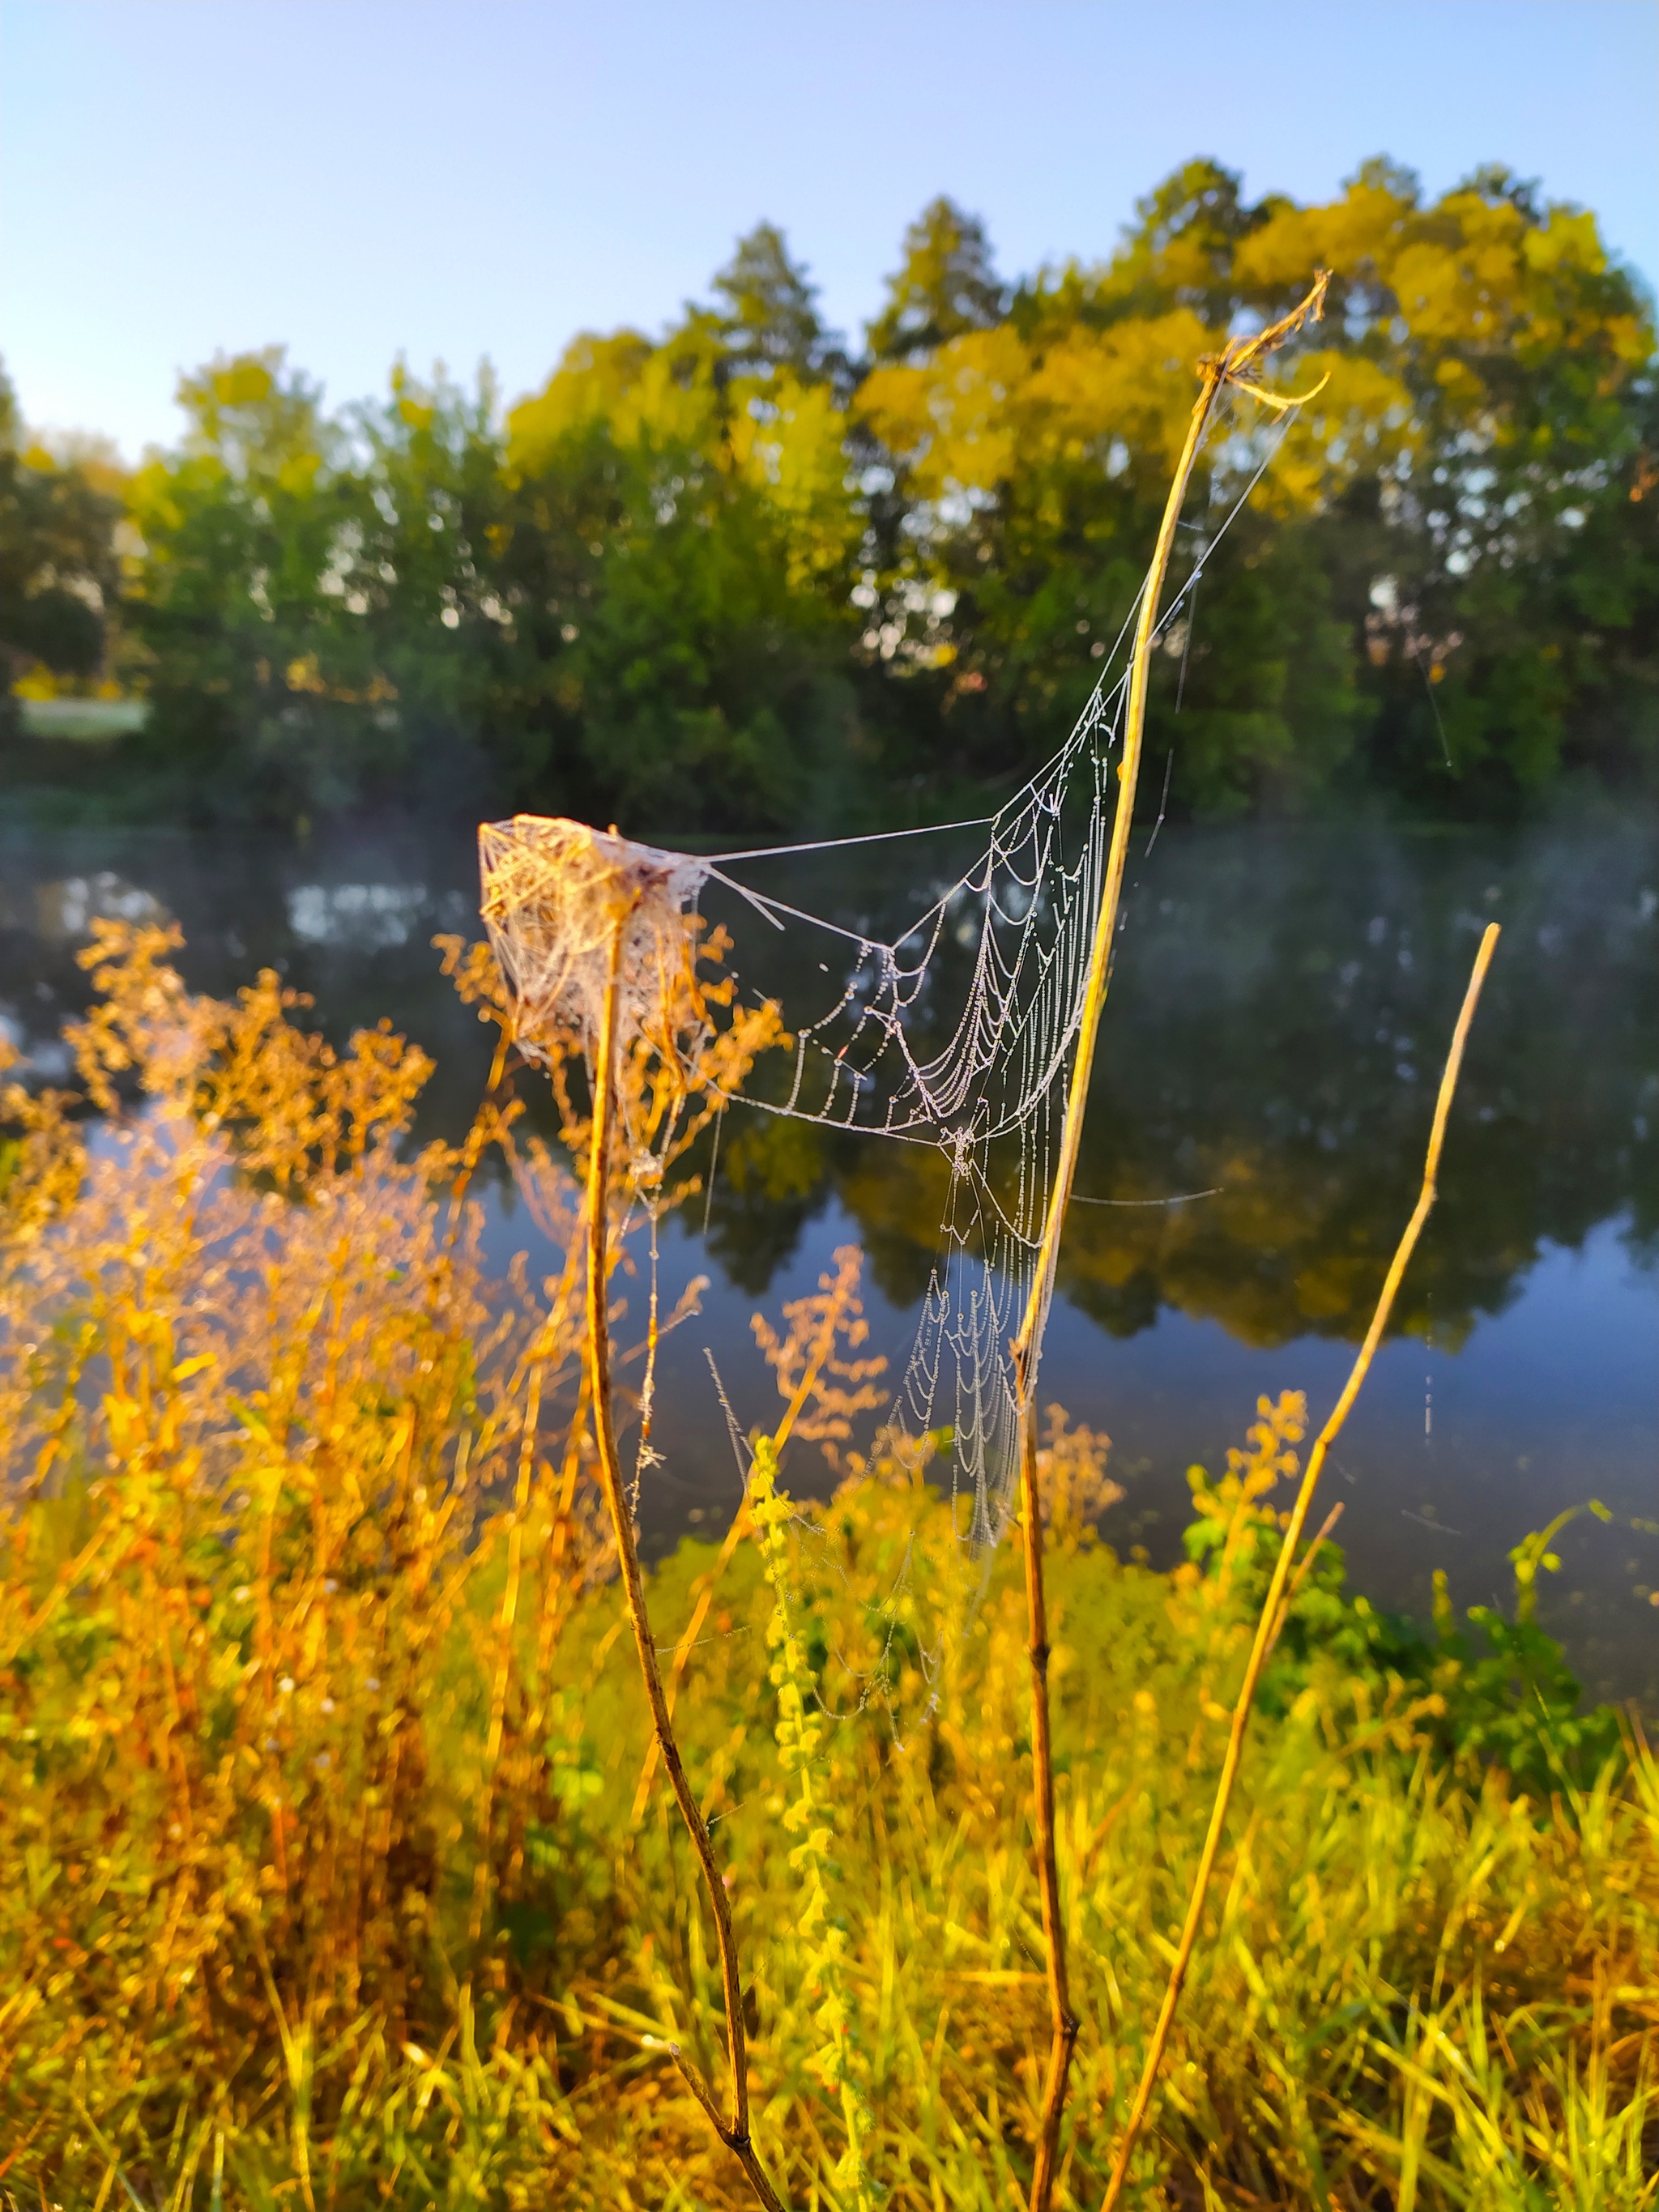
[1301, 1574]
[1268, 1625]
[705, 1587]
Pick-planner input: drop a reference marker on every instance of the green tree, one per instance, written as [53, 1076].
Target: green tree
[945, 285]
[59, 573]
[238, 526]
[689, 531]
[1178, 253]
[1447, 578]
[767, 317]
[319, 595]
[725, 577]
[1486, 527]
[425, 575]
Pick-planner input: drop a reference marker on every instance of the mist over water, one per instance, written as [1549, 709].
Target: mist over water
[1278, 1017]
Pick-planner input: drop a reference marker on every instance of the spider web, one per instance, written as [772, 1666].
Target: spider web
[955, 1037]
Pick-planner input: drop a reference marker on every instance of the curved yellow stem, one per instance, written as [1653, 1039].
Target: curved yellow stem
[1215, 374]
[1268, 1625]
[1283, 401]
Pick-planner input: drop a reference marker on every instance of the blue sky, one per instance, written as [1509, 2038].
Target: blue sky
[456, 178]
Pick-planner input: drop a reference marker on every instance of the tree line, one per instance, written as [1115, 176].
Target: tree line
[738, 575]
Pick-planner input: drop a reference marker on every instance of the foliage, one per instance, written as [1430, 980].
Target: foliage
[682, 512]
[822, 1393]
[1510, 1697]
[946, 286]
[733, 577]
[332, 1875]
[1429, 553]
[59, 568]
[319, 596]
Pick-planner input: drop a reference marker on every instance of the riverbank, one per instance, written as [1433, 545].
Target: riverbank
[334, 1869]
[1266, 1046]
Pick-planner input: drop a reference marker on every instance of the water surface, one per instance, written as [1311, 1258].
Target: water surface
[1279, 1014]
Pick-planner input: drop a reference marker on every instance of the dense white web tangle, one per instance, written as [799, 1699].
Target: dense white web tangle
[955, 1038]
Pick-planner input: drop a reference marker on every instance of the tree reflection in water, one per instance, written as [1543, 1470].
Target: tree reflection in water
[1277, 1020]
[1277, 1017]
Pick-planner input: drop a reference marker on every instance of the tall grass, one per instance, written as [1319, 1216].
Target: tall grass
[328, 1876]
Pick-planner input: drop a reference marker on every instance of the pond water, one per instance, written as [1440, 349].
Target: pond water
[1279, 1014]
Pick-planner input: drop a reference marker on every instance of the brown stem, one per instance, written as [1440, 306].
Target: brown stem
[505, 1624]
[733, 2132]
[1063, 2022]
[704, 1586]
[1267, 1626]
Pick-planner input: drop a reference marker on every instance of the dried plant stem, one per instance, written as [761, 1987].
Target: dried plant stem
[1214, 374]
[705, 1587]
[1301, 1574]
[1028, 1346]
[1063, 2022]
[504, 1621]
[734, 2131]
[1271, 1619]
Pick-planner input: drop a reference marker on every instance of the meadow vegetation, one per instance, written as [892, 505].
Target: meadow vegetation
[335, 1870]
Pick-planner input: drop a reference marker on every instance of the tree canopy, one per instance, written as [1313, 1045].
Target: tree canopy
[58, 560]
[730, 575]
